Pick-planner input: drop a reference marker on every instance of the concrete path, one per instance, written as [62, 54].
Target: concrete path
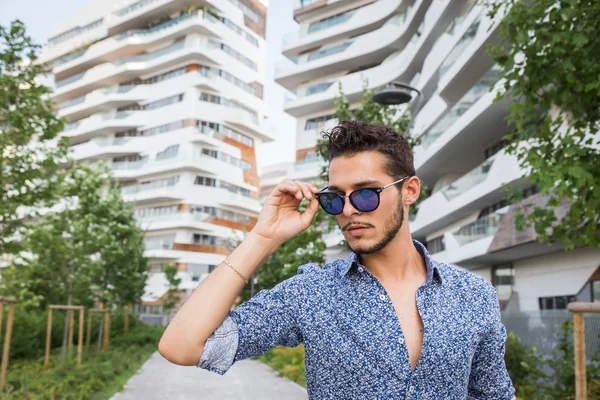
[248, 379]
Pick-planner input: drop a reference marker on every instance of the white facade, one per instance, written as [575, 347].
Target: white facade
[439, 47]
[168, 93]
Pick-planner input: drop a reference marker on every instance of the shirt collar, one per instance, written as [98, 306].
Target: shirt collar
[433, 267]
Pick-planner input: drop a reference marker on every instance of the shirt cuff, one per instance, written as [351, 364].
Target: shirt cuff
[220, 348]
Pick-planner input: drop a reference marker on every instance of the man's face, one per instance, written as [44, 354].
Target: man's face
[367, 232]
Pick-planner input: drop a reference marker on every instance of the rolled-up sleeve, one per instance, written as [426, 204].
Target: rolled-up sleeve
[489, 379]
[267, 320]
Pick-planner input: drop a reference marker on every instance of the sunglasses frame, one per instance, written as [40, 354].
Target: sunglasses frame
[377, 190]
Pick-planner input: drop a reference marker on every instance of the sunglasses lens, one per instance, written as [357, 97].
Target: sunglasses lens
[365, 200]
[331, 203]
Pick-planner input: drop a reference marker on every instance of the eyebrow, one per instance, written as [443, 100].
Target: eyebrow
[357, 185]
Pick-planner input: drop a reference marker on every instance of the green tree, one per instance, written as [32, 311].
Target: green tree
[173, 297]
[89, 250]
[549, 58]
[30, 153]
[306, 247]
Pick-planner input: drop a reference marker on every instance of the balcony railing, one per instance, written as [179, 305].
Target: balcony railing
[111, 141]
[480, 88]
[150, 56]
[469, 180]
[313, 89]
[135, 6]
[159, 184]
[70, 79]
[158, 245]
[167, 24]
[70, 103]
[483, 227]
[178, 216]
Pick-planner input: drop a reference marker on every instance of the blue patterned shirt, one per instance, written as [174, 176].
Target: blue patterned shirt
[354, 344]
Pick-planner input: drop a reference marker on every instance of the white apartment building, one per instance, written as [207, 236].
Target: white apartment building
[439, 47]
[169, 94]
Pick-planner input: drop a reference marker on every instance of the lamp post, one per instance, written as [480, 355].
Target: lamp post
[399, 93]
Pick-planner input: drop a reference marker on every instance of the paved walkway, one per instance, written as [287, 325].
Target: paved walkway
[248, 379]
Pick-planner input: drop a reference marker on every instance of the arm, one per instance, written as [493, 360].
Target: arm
[489, 379]
[208, 306]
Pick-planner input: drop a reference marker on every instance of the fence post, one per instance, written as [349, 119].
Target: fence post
[578, 309]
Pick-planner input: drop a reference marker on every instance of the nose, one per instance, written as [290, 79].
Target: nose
[349, 209]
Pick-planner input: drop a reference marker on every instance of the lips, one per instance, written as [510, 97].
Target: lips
[357, 230]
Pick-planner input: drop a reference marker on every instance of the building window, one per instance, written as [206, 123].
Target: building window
[436, 245]
[596, 291]
[318, 122]
[555, 302]
[331, 21]
[204, 181]
[251, 39]
[248, 12]
[338, 48]
[157, 130]
[163, 102]
[205, 239]
[157, 78]
[495, 148]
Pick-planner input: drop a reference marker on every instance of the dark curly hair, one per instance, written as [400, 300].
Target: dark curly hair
[352, 137]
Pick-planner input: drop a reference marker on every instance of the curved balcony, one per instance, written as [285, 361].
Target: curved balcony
[192, 49]
[476, 189]
[153, 192]
[132, 41]
[400, 66]
[352, 23]
[353, 53]
[471, 240]
[103, 99]
[102, 123]
[195, 162]
[105, 147]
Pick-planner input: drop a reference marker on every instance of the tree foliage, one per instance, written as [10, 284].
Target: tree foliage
[30, 153]
[172, 297]
[549, 58]
[306, 247]
[89, 250]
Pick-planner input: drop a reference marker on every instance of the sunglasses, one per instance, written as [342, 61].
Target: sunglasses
[364, 200]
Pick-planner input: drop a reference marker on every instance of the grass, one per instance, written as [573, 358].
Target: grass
[99, 376]
[287, 362]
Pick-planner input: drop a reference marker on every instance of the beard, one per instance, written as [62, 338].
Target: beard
[391, 229]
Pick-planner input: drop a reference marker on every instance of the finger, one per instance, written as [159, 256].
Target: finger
[287, 187]
[309, 214]
[305, 189]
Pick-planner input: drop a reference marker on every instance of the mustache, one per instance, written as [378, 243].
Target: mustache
[353, 224]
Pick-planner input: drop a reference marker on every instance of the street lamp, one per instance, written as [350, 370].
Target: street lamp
[399, 93]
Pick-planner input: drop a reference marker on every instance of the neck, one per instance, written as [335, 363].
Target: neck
[398, 262]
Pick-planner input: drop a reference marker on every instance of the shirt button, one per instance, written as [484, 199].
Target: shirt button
[382, 297]
[360, 269]
[411, 390]
[401, 340]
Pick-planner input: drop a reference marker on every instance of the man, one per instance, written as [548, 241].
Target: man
[388, 322]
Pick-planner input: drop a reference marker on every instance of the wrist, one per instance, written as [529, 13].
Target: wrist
[259, 241]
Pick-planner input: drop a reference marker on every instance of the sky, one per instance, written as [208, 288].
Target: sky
[279, 22]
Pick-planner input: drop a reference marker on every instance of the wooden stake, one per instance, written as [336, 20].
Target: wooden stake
[80, 337]
[48, 337]
[89, 331]
[6, 350]
[106, 330]
[1, 317]
[579, 331]
[71, 315]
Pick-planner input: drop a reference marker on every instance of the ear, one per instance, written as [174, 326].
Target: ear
[411, 190]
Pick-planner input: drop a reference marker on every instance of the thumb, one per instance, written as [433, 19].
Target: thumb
[307, 216]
